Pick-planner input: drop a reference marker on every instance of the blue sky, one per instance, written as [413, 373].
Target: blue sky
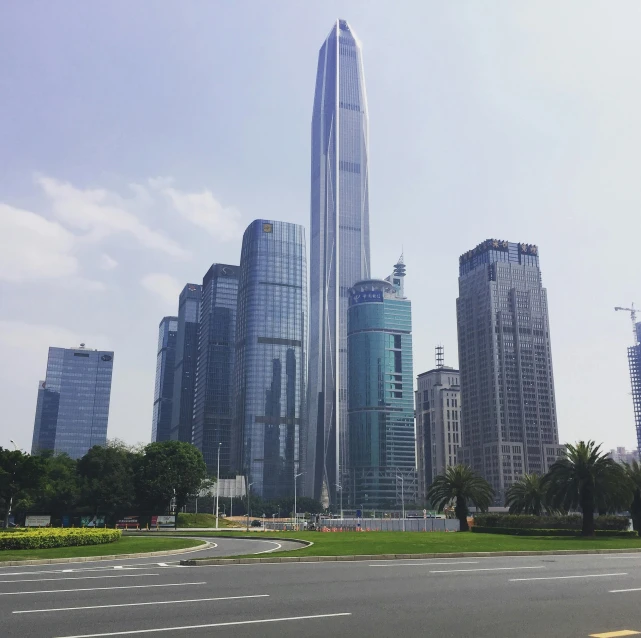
[138, 140]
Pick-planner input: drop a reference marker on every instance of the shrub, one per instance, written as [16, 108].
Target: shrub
[512, 531]
[559, 522]
[48, 538]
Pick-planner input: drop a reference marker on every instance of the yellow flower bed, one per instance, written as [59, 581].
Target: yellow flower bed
[47, 538]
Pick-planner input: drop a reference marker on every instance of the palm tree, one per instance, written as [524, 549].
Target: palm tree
[527, 496]
[461, 484]
[633, 472]
[589, 480]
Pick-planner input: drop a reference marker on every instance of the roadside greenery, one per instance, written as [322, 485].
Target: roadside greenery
[48, 538]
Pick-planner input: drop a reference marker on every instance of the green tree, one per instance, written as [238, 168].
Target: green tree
[168, 469]
[108, 480]
[587, 479]
[462, 485]
[20, 475]
[633, 472]
[527, 496]
[60, 492]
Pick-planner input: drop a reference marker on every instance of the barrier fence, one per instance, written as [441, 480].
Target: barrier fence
[372, 525]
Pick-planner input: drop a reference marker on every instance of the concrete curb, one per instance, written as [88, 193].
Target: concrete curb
[95, 559]
[379, 557]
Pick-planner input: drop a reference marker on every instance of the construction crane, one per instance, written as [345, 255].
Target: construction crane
[633, 316]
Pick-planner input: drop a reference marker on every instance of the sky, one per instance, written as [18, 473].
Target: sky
[138, 140]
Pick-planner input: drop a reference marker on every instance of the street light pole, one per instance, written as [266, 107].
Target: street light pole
[340, 489]
[217, 483]
[295, 483]
[402, 498]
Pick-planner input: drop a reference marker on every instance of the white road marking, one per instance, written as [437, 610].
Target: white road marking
[620, 591]
[484, 569]
[40, 580]
[161, 602]
[59, 591]
[273, 549]
[218, 624]
[461, 562]
[163, 565]
[118, 566]
[516, 580]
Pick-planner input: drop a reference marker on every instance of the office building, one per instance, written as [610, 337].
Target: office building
[438, 422]
[212, 421]
[271, 339]
[621, 455]
[72, 409]
[164, 387]
[186, 360]
[339, 251]
[509, 421]
[381, 469]
[634, 360]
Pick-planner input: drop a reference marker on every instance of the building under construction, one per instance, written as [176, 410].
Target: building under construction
[634, 358]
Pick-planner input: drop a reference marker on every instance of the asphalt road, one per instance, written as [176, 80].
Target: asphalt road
[551, 596]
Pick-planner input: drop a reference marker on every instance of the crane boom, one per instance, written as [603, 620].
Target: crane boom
[633, 316]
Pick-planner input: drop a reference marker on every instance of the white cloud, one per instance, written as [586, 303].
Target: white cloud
[102, 213]
[165, 286]
[107, 262]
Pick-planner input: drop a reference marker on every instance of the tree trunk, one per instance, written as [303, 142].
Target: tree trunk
[588, 515]
[460, 510]
[6, 515]
[635, 511]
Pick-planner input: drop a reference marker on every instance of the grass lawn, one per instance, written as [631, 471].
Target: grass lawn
[354, 543]
[126, 545]
[203, 520]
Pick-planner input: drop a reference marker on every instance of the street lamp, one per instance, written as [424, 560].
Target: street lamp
[217, 483]
[248, 490]
[340, 489]
[295, 483]
[11, 499]
[400, 476]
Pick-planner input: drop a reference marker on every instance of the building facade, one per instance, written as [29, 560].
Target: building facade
[509, 421]
[164, 387]
[271, 340]
[381, 470]
[438, 424]
[186, 360]
[634, 360]
[212, 420]
[72, 409]
[339, 251]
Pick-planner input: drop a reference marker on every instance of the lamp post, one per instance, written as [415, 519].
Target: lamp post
[15, 447]
[217, 483]
[340, 489]
[295, 483]
[400, 476]
[248, 490]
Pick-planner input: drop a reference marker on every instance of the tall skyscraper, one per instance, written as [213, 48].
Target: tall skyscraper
[339, 255]
[270, 374]
[212, 422]
[509, 425]
[164, 388]
[380, 394]
[186, 360]
[438, 422]
[72, 409]
[634, 359]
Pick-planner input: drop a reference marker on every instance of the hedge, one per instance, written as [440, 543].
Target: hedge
[549, 532]
[48, 538]
[560, 522]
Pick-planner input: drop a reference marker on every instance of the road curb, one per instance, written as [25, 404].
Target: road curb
[377, 557]
[95, 559]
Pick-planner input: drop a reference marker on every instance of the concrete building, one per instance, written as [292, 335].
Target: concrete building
[621, 455]
[164, 387]
[509, 421]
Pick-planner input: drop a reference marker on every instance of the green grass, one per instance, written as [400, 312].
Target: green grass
[358, 543]
[203, 520]
[126, 545]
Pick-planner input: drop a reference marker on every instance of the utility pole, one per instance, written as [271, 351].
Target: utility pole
[217, 483]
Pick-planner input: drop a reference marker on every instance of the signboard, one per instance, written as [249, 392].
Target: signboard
[368, 296]
[66, 520]
[163, 521]
[127, 522]
[359, 514]
[37, 521]
[424, 513]
[97, 520]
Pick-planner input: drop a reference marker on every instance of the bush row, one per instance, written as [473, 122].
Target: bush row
[47, 538]
[560, 522]
[549, 532]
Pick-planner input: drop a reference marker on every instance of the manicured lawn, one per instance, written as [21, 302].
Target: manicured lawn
[126, 545]
[355, 543]
[203, 520]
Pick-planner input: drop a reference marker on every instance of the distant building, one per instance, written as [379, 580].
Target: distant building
[509, 421]
[186, 362]
[438, 423]
[271, 340]
[621, 455]
[380, 394]
[164, 388]
[72, 409]
[634, 359]
[212, 422]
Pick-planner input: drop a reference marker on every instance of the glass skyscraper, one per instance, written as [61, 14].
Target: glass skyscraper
[339, 254]
[382, 466]
[634, 359]
[164, 388]
[186, 360]
[72, 409]
[269, 388]
[212, 421]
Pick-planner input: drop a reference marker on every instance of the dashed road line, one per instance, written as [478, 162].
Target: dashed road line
[516, 580]
[60, 591]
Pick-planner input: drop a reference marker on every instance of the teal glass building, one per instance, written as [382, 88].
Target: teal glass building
[382, 466]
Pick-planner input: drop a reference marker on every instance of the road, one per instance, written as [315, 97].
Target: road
[551, 596]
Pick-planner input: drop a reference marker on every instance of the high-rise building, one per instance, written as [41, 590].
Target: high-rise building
[270, 375]
[164, 388]
[186, 360]
[381, 470]
[212, 422]
[438, 423]
[509, 424]
[72, 409]
[634, 359]
[339, 254]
